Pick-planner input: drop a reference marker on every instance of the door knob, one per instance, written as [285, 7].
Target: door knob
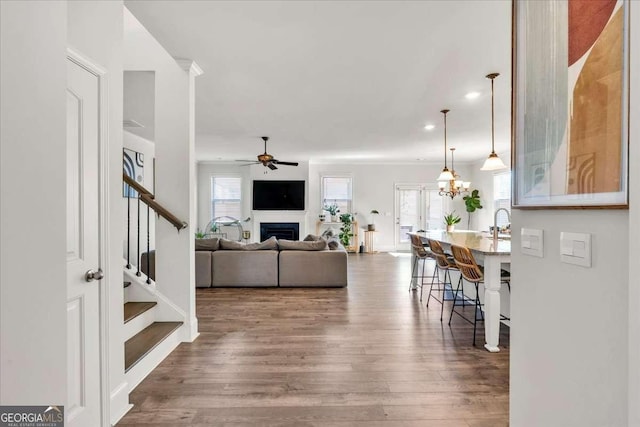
[91, 275]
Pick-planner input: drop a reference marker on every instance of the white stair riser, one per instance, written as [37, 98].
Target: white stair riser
[138, 323]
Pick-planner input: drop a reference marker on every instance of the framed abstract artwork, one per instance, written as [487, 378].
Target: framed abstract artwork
[133, 166]
[570, 104]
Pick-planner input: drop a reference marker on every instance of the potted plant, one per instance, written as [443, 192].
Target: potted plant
[333, 211]
[372, 226]
[472, 202]
[451, 219]
[346, 233]
[200, 234]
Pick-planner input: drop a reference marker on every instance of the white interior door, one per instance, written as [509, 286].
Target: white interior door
[409, 213]
[83, 247]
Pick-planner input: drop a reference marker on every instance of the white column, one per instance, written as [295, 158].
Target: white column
[175, 187]
[193, 70]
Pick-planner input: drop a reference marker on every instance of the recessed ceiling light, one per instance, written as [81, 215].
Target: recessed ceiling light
[472, 95]
[429, 127]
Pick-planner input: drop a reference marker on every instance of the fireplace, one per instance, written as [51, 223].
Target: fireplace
[281, 230]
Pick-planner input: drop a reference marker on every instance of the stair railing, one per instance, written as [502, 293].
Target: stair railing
[148, 198]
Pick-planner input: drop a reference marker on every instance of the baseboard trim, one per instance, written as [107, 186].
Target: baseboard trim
[120, 402]
[191, 330]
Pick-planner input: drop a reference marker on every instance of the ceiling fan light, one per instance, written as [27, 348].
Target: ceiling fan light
[446, 175]
[493, 163]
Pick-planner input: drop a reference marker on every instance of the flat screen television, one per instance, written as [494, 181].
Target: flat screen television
[278, 195]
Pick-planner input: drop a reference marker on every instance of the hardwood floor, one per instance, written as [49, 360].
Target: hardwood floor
[367, 355]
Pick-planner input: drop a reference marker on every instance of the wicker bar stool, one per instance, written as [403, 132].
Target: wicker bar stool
[444, 263]
[422, 254]
[473, 273]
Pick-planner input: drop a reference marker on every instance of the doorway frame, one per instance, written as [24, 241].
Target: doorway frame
[103, 224]
[424, 188]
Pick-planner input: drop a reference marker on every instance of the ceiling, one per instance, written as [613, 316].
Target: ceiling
[341, 81]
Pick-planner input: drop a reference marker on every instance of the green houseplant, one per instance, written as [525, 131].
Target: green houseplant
[372, 225]
[333, 210]
[346, 232]
[472, 203]
[451, 219]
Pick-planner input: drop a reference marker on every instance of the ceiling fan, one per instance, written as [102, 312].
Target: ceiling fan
[266, 159]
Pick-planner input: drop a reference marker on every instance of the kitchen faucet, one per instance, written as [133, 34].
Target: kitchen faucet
[495, 221]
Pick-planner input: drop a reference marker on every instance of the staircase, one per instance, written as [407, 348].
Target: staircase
[148, 340]
[152, 323]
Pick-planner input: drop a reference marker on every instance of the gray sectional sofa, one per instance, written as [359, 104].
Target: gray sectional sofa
[272, 263]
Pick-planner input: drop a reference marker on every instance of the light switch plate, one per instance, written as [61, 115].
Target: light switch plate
[575, 248]
[532, 242]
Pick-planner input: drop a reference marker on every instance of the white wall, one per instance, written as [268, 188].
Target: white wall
[147, 148]
[95, 30]
[575, 331]
[33, 285]
[569, 324]
[139, 102]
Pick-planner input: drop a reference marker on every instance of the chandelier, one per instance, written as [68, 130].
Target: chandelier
[449, 182]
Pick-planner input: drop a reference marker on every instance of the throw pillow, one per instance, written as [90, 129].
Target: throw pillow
[294, 245]
[334, 244]
[311, 238]
[269, 244]
[207, 244]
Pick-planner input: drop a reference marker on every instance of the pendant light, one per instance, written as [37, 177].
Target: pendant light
[445, 175]
[449, 182]
[493, 162]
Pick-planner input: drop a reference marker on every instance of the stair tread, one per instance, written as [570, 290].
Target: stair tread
[146, 340]
[134, 309]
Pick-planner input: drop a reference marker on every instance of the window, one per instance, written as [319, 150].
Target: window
[502, 195]
[338, 190]
[226, 196]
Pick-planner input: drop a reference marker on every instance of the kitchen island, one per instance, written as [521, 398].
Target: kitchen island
[491, 253]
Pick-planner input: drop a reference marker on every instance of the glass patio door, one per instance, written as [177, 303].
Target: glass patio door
[409, 212]
[417, 207]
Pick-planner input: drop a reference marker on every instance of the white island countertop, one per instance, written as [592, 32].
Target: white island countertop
[477, 241]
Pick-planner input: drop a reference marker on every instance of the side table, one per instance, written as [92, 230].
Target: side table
[369, 239]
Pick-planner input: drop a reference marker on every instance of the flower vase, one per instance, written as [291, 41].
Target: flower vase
[450, 228]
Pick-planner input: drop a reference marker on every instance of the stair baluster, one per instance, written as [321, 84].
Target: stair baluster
[128, 227]
[148, 246]
[138, 273]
